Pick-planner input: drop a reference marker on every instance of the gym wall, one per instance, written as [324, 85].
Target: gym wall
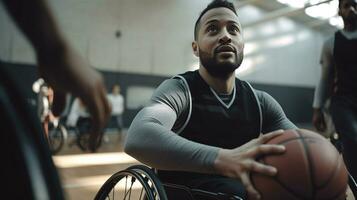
[137, 89]
[141, 43]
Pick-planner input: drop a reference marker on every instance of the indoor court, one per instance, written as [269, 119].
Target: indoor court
[228, 99]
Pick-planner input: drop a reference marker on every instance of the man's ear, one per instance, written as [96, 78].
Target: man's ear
[195, 48]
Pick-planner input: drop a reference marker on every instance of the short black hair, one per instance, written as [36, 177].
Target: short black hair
[212, 5]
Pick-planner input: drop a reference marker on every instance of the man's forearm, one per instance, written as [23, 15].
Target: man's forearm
[149, 141]
[37, 23]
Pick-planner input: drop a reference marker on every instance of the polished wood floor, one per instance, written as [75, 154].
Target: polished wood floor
[83, 173]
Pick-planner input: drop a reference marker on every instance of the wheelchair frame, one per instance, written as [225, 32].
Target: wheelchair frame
[192, 194]
[154, 189]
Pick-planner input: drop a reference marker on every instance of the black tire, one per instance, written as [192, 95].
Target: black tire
[83, 140]
[56, 137]
[125, 179]
[151, 178]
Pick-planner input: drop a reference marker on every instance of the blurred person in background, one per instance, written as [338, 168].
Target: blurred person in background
[338, 84]
[116, 100]
[45, 102]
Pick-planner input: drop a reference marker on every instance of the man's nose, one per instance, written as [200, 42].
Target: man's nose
[225, 37]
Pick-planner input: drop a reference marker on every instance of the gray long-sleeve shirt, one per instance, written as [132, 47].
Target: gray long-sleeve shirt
[152, 138]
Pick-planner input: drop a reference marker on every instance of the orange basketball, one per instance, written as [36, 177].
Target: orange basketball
[311, 168]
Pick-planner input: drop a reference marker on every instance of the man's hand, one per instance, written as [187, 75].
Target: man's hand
[318, 120]
[240, 162]
[65, 71]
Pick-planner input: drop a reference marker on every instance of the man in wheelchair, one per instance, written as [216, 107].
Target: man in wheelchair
[203, 128]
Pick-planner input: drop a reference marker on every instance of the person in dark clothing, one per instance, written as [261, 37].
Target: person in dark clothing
[338, 82]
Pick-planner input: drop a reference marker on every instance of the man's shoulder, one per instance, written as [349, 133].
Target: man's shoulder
[261, 94]
[188, 75]
[172, 82]
[329, 39]
[328, 44]
[171, 86]
[247, 84]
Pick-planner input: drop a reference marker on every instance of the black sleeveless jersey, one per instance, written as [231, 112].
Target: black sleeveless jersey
[216, 123]
[212, 122]
[345, 55]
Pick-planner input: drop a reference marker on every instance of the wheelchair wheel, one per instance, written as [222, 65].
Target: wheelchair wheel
[151, 178]
[83, 141]
[56, 137]
[127, 184]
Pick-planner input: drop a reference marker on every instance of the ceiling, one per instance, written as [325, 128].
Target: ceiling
[276, 10]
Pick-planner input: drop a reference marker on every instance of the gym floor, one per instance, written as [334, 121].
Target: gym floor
[82, 174]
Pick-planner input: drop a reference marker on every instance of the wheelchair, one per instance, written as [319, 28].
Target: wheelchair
[141, 182]
[57, 135]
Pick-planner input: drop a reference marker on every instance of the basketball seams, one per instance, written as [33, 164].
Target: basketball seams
[343, 190]
[300, 138]
[310, 164]
[292, 192]
[333, 174]
[337, 195]
[290, 139]
[312, 186]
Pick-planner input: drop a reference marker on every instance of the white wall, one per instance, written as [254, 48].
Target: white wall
[156, 38]
[280, 52]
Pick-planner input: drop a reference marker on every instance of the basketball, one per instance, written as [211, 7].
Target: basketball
[311, 168]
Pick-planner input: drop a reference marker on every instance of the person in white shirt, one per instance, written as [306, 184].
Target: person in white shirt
[77, 113]
[117, 102]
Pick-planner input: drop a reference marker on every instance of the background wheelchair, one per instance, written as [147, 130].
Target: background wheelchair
[57, 135]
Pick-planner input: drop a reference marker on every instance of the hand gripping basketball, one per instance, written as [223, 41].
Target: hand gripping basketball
[311, 168]
[240, 162]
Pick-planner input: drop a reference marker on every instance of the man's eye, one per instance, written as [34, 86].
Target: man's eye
[233, 29]
[212, 29]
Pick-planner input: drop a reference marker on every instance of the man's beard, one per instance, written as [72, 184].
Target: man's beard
[351, 18]
[219, 69]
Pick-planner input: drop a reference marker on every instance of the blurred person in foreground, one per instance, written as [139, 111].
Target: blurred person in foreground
[59, 64]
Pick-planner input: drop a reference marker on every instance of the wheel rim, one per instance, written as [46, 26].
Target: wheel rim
[126, 185]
